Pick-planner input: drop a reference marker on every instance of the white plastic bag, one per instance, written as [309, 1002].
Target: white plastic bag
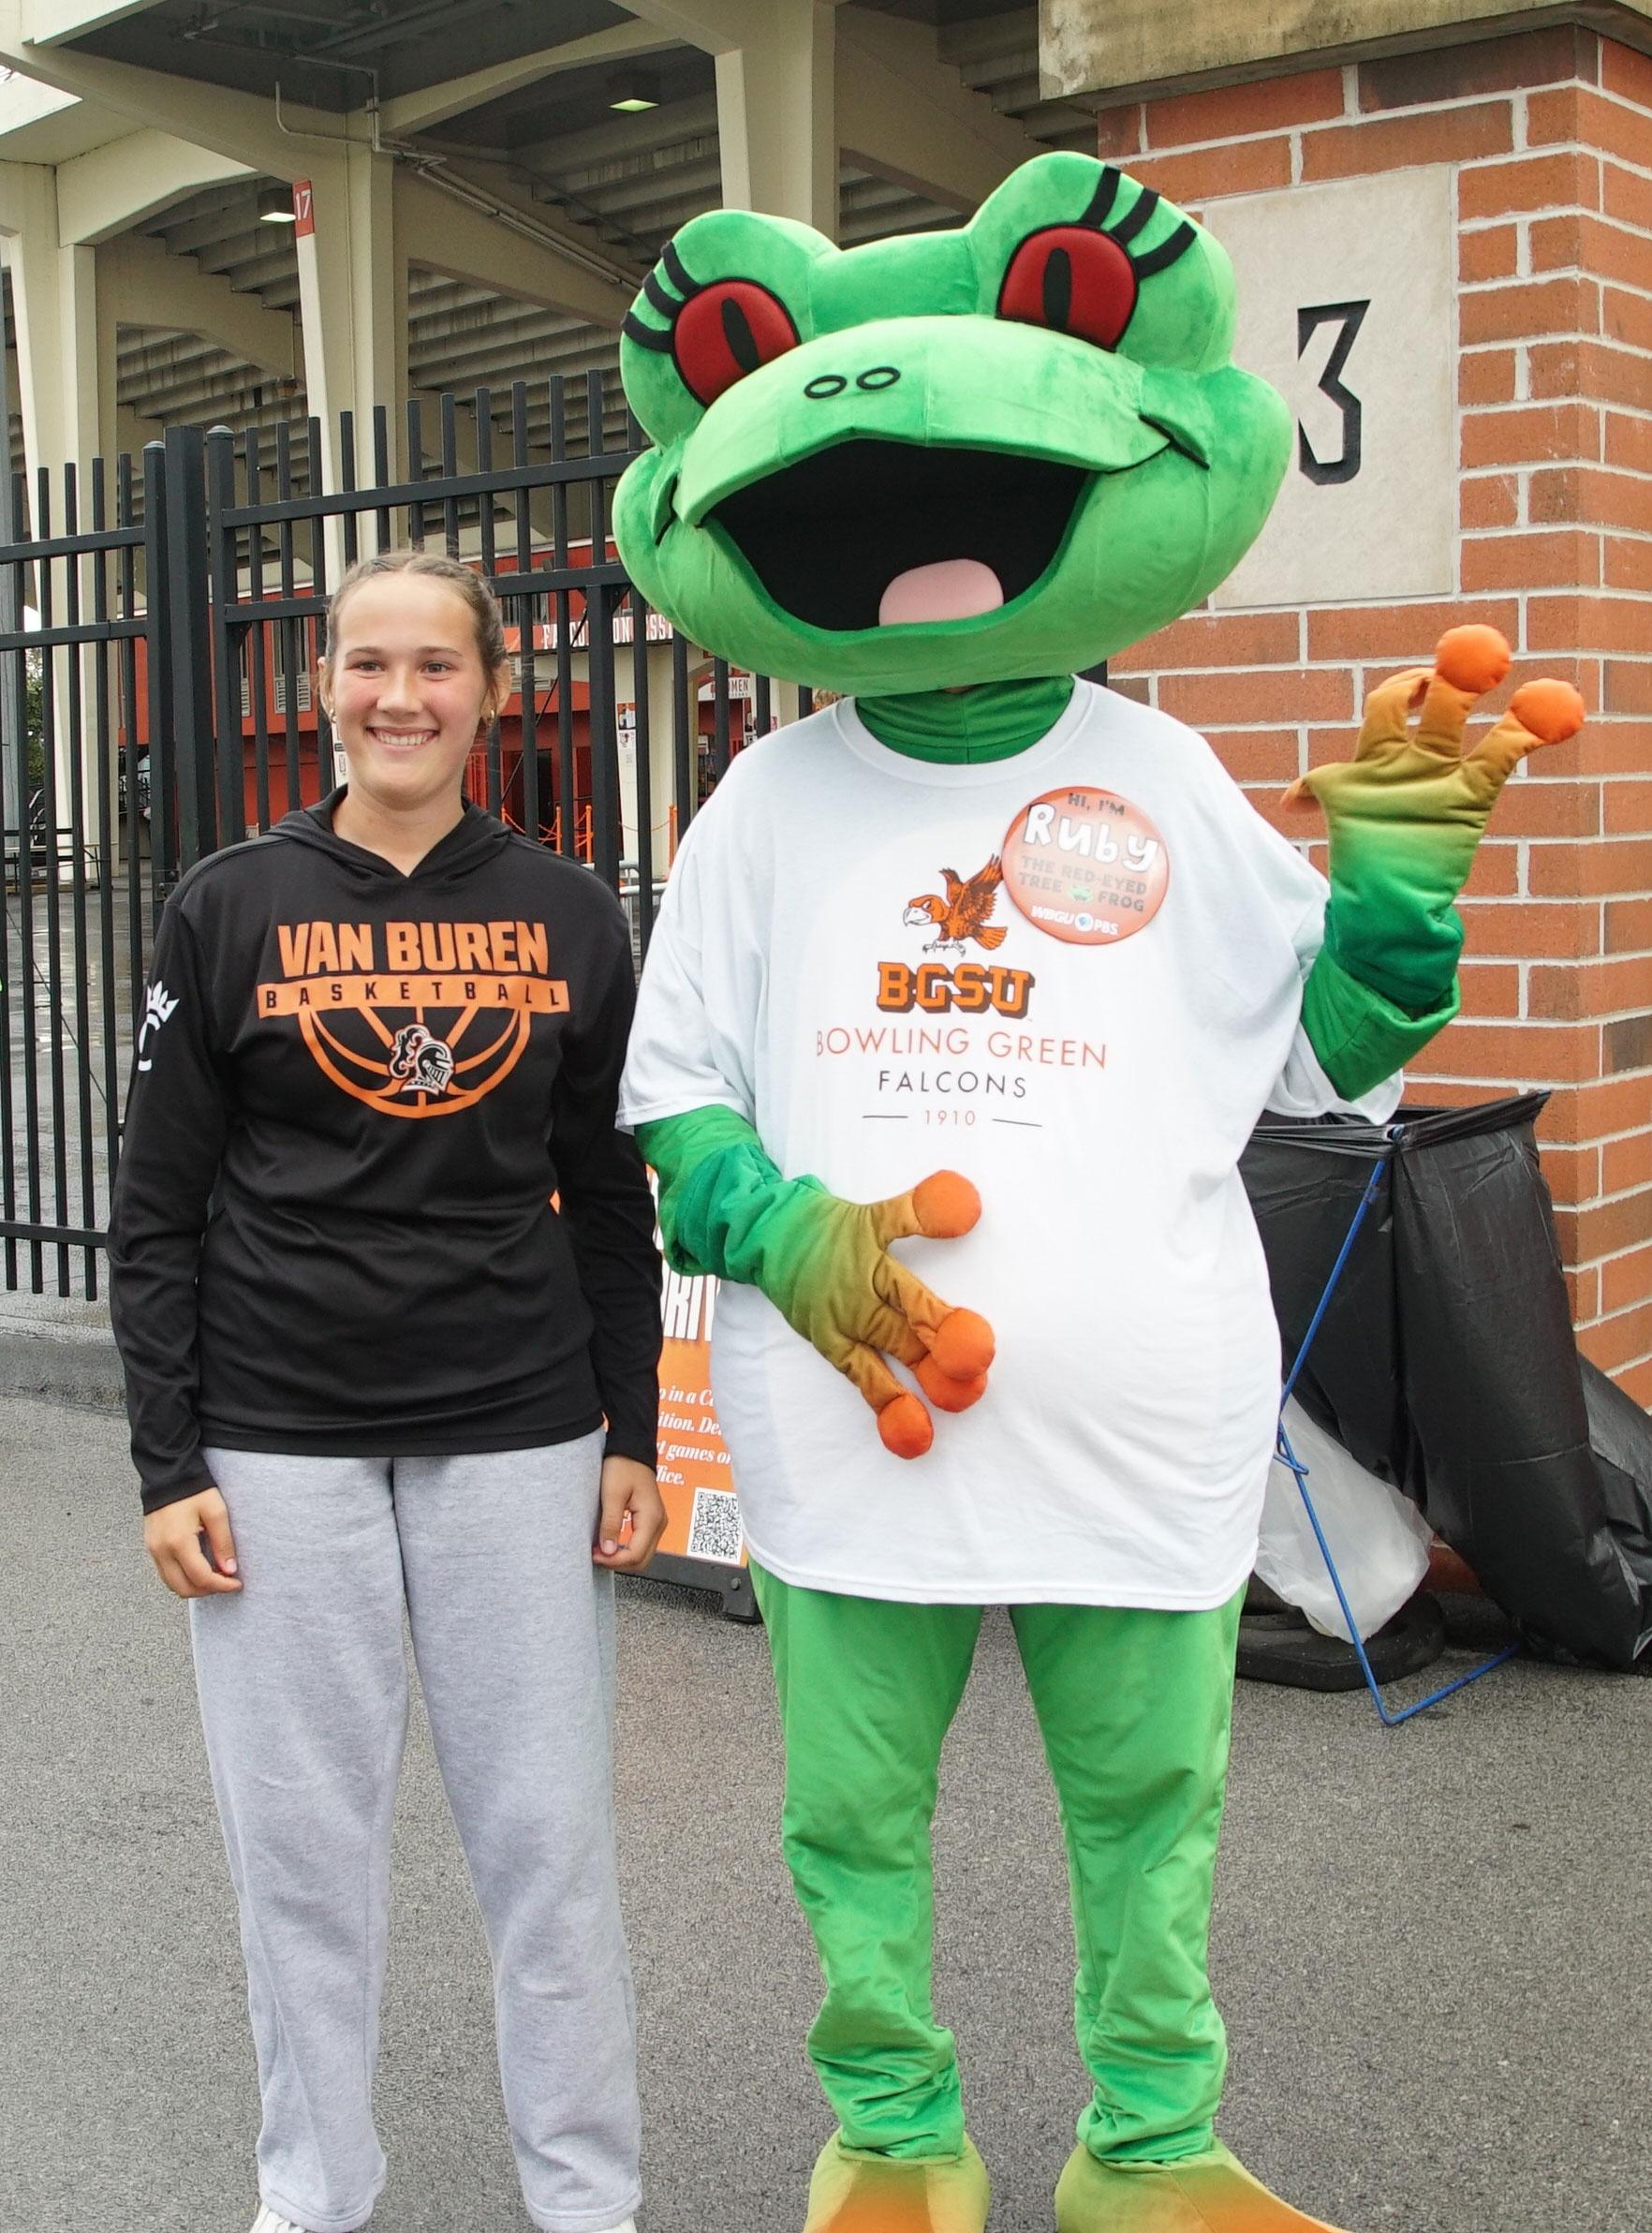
[1377, 1537]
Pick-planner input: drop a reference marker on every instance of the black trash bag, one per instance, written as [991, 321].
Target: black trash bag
[1446, 1362]
[1620, 1435]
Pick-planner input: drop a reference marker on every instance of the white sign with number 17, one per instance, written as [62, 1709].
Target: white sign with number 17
[1347, 305]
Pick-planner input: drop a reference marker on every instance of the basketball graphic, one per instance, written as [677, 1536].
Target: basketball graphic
[416, 1019]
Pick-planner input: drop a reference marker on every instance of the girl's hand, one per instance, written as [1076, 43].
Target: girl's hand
[629, 1495]
[172, 1536]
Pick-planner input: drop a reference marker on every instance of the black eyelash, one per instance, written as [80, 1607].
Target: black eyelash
[659, 297]
[1134, 221]
[680, 279]
[1102, 200]
[669, 306]
[1168, 252]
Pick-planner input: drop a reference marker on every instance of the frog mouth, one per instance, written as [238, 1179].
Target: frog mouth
[869, 533]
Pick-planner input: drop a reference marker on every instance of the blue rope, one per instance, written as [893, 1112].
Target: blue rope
[1287, 1456]
[1372, 1185]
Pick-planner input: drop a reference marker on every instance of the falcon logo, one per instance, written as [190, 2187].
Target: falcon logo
[416, 1019]
[963, 913]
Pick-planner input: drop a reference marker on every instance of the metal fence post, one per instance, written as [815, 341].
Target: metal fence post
[163, 803]
[11, 611]
[600, 601]
[225, 638]
[188, 596]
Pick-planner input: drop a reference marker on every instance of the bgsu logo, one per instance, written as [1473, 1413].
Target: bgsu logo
[416, 1019]
[969, 987]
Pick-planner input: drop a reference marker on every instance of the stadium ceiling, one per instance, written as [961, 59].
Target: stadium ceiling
[513, 100]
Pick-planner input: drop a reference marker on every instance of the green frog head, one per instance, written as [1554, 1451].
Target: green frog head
[945, 458]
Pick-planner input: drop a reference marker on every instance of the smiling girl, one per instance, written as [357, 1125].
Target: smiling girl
[372, 1370]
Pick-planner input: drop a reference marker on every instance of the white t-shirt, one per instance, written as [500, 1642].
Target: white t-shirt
[1087, 1019]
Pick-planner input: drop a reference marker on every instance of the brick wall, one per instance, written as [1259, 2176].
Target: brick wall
[1550, 136]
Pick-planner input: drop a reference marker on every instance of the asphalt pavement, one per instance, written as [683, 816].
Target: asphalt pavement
[1431, 1944]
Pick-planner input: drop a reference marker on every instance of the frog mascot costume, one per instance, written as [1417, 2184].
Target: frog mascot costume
[987, 915]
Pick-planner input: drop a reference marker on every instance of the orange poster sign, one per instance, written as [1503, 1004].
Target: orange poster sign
[704, 1544]
[694, 1478]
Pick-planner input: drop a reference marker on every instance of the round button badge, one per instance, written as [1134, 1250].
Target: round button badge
[1085, 866]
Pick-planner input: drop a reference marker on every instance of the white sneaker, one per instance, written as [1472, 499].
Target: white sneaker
[267, 2222]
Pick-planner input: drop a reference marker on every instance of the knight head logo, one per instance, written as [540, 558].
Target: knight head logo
[962, 912]
[422, 1062]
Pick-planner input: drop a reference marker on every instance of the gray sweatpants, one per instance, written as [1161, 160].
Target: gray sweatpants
[303, 1698]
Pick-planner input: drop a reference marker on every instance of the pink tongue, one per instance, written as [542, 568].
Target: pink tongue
[952, 589]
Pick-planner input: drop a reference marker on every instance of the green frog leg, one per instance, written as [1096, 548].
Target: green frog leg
[825, 1263]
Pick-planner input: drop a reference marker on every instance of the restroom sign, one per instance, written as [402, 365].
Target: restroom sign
[1347, 306]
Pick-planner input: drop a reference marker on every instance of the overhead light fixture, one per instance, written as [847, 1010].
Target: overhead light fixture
[636, 91]
[276, 206]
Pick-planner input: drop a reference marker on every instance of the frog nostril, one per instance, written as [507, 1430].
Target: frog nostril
[880, 376]
[824, 384]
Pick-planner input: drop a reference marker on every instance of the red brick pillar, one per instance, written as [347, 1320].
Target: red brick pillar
[1547, 137]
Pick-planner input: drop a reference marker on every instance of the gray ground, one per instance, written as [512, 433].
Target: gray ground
[1431, 1944]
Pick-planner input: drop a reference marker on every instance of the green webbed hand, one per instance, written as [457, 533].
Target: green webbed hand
[824, 1263]
[1404, 818]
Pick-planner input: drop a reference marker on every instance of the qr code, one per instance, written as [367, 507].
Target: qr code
[714, 1527]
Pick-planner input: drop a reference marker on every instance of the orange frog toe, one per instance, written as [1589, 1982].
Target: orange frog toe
[944, 1392]
[1550, 710]
[905, 1426]
[963, 1346]
[1473, 659]
[946, 1204]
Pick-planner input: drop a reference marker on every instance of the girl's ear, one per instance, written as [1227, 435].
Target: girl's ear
[498, 694]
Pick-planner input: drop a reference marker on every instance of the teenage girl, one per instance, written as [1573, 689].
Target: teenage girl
[370, 1369]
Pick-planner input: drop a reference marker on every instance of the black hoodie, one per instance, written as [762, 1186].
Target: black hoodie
[355, 1094]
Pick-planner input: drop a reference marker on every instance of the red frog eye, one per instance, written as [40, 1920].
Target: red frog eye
[1072, 279]
[726, 330]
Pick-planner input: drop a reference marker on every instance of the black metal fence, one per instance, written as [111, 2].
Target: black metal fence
[157, 702]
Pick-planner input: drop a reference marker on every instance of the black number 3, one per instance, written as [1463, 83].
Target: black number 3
[1350, 317]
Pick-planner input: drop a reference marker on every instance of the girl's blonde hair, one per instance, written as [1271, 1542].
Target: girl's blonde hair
[433, 566]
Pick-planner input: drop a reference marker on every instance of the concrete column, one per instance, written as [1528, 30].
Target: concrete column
[777, 114]
[777, 120]
[63, 390]
[776, 100]
[353, 300]
[651, 848]
[61, 380]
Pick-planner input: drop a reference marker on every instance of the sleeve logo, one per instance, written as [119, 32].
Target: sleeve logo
[157, 1005]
